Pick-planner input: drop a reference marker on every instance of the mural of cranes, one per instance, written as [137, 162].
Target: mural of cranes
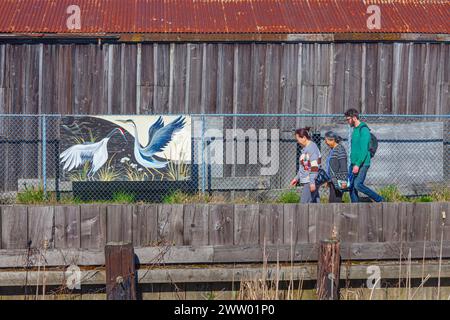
[159, 137]
[96, 153]
[161, 149]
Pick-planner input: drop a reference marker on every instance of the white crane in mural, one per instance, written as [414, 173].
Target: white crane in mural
[94, 152]
[159, 137]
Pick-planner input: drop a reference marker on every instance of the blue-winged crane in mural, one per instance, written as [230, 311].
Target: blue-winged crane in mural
[96, 153]
[159, 137]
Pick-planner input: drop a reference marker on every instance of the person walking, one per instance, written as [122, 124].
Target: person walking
[310, 162]
[360, 157]
[336, 167]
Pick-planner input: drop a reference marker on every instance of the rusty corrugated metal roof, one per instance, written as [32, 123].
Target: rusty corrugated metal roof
[224, 16]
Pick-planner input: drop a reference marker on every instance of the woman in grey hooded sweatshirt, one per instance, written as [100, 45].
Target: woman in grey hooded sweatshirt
[310, 162]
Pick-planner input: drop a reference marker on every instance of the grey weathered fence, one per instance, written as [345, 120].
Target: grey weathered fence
[404, 78]
[196, 225]
[211, 248]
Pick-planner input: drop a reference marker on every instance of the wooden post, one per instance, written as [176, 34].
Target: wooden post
[328, 268]
[120, 271]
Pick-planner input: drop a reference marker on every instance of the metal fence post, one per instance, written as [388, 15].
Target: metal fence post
[44, 155]
[203, 155]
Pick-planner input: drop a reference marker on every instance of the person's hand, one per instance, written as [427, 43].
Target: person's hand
[294, 182]
[312, 187]
[355, 169]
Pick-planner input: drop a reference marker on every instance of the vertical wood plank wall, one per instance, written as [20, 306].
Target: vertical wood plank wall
[92, 226]
[398, 78]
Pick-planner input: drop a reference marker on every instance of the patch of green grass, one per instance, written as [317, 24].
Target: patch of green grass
[177, 197]
[210, 296]
[391, 194]
[425, 198]
[346, 198]
[324, 199]
[123, 197]
[290, 196]
[74, 200]
[31, 195]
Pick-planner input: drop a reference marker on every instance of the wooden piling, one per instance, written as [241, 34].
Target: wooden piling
[328, 270]
[120, 271]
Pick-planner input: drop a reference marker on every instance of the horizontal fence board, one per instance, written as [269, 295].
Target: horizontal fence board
[92, 226]
[183, 254]
[21, 258]
[163, 255]
[193, 275]
[303, 252]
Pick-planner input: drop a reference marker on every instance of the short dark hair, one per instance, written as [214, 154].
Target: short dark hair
[303, 133]
[352, 113]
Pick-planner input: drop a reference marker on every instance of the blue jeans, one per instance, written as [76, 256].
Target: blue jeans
[358, 186]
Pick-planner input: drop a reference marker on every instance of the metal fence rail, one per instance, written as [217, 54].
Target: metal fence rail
[229, 155]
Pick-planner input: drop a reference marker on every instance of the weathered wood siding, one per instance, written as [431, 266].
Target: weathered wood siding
[399, 78]
[92, 226]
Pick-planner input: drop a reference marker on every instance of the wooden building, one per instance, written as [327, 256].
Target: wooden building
[217, 56]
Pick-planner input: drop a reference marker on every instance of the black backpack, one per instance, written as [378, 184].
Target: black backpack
[373, 146]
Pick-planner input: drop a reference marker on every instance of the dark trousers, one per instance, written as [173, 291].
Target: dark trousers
[335, 194]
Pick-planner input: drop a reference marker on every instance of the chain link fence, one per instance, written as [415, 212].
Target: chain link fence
[124, 158]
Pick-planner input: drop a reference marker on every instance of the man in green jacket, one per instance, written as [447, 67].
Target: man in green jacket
[360, 157]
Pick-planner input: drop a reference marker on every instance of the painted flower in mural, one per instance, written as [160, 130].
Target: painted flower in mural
[159, 137]
[124, 159]
[95, 153]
